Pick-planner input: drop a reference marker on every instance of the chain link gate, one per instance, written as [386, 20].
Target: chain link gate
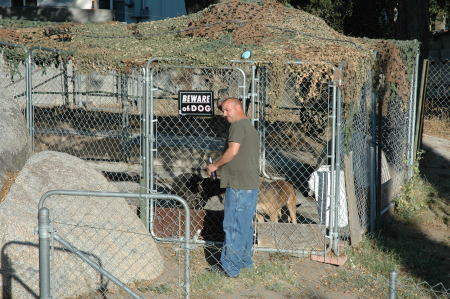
[297, 128]
[86, 255]
[177, 148]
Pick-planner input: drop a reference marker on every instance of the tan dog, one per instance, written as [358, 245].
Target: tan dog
[272, 197]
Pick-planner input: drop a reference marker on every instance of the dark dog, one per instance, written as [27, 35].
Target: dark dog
[272, 197]
[196, 190]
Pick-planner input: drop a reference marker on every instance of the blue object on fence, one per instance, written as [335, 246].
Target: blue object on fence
[246, 55]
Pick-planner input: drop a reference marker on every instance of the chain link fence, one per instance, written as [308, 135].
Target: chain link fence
[96, 117]
[317, 155]
[438, 91]
[358, 149]
[396, 137]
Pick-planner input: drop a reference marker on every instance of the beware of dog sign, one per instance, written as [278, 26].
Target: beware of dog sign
[192, 102]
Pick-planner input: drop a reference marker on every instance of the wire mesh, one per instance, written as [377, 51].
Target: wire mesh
[438, 91]
[97, 117]
[295, 130]
[110, 234]
[357, 141]
[183, 143]
[93, 116]
[394, 138]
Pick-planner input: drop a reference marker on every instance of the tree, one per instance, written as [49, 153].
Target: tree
[439, 9]
[333, 12]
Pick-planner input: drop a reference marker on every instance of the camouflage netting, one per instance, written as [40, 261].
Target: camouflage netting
[213, 37]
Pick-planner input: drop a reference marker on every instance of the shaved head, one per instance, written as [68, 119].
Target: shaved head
[232, 109]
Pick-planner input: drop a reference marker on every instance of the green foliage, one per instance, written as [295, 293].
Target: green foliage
[412, 198]
[373, 257]
[13, 57]
[439, 9]
[334, 12]
[408, 51]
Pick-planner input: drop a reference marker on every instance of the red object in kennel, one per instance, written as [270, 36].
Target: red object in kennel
[170, 223]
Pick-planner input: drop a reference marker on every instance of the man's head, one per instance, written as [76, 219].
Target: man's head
[232, 110]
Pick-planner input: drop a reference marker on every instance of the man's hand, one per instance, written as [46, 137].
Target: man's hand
[228, 155]
[211, 168]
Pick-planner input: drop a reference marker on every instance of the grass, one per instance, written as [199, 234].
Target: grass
[413, 241]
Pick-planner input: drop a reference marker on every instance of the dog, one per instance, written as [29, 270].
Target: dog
[272, 197]
[196, 190]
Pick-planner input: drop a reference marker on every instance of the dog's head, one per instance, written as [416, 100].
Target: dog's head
[210, 188]
[187, 187]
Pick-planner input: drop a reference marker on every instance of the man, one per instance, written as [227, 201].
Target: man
[239, 174]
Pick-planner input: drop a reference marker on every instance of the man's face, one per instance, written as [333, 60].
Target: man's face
[229, 111]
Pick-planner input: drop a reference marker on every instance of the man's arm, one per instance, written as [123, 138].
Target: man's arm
[228, 155]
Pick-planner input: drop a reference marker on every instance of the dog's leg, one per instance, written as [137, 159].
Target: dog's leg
[274, 216]
[292, 207]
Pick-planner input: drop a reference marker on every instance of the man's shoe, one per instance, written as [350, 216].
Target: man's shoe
[218, 270]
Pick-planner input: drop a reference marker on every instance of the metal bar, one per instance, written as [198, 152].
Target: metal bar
[253, 94]
[28, 91]
[331, 191]
[44, 253]
[65, 84]
[244, 96]
[96, 267]
[304, 253]
[412, 120]
[373, 165]
[421, 106]
[337, 195]
[392, 285]
[76, 132]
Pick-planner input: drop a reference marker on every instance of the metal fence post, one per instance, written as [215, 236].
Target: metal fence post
[29, 96]
[373, 164]
[331, 196]
[412, 119]
[337, 173]
[392, 285]
[44, 253]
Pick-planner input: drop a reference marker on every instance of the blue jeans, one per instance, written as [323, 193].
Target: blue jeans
[239, 209]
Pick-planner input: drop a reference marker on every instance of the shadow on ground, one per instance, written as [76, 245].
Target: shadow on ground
[423, 248]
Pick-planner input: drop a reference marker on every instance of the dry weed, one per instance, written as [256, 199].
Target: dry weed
[10, 179]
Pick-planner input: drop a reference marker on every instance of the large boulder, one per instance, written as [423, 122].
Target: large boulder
[15, 142]
[104, 229]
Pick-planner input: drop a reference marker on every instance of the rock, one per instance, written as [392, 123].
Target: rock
[105, 229]
[15, 142]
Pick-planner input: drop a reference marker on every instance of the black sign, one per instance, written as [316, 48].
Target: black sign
[191, 102]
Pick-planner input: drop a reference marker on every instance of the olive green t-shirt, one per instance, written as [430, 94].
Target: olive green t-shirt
[243, 171]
